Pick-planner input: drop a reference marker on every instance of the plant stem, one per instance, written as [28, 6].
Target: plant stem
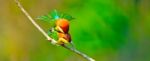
[34, 23]
[46, 35]
[79, 53]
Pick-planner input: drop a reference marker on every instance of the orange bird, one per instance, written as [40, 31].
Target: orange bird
[62, 27]
[64, 38]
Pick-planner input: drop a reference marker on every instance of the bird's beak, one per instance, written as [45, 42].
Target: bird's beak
[59, 29]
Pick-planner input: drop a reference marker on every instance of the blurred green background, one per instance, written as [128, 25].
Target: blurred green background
[107, 30]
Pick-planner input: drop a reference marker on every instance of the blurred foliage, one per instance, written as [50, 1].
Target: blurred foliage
[107, 30]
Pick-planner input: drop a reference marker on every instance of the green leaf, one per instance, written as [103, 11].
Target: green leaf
[44, 18]
[54, 14]
[53, 34]
[67, 16]
[49, 33]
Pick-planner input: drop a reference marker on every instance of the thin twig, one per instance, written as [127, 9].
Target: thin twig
[79, 53]
[34, 23]
[46, 35]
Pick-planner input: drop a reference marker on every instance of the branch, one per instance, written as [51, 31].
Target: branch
[46, 35]
[79, 53]
[34, 23]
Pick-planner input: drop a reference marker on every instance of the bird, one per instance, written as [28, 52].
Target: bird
[64, 38]
[59, 29]
[62, 25]
[62, 28]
